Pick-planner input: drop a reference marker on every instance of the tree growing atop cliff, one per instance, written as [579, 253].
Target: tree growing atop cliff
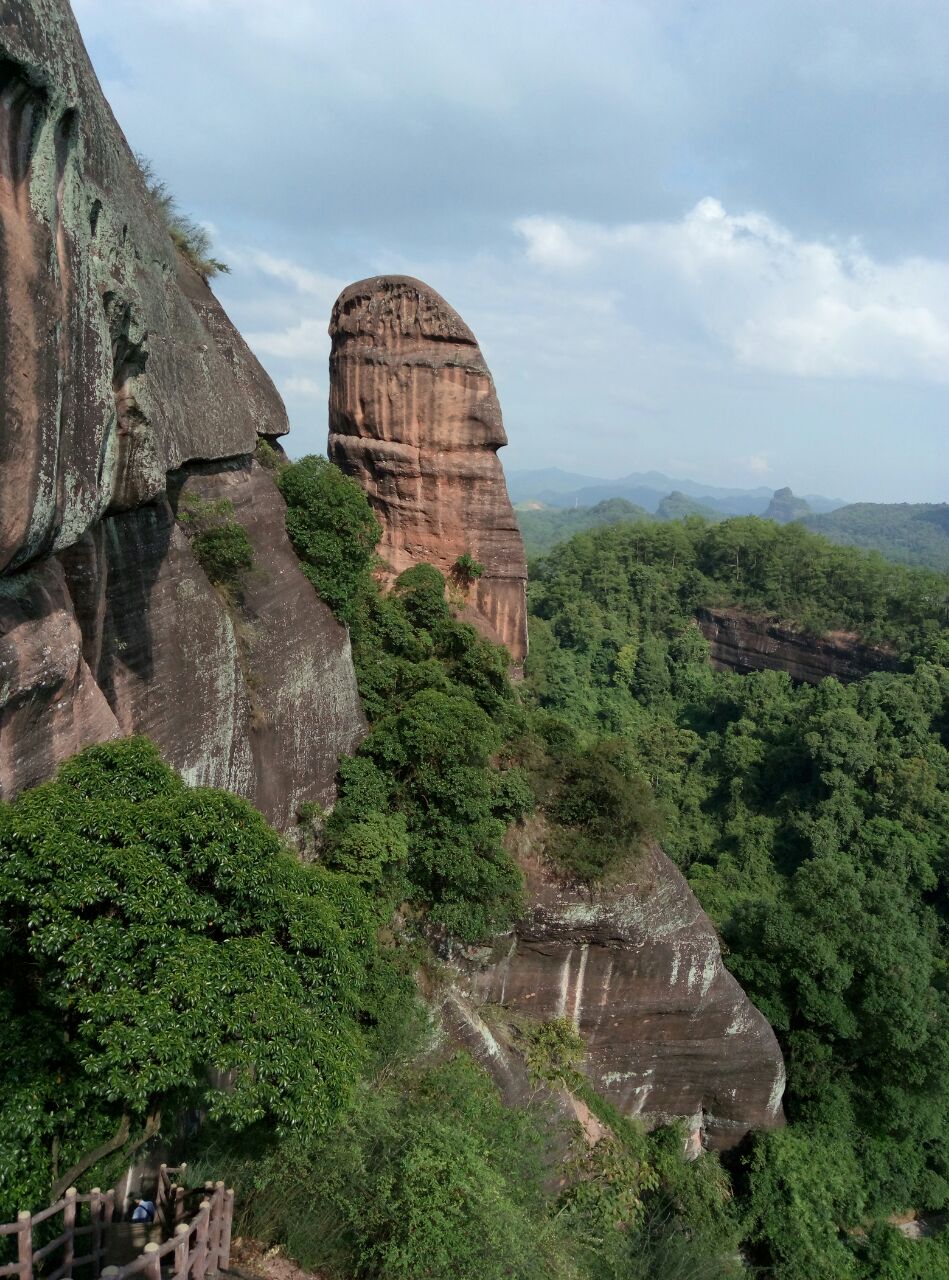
[155, 936]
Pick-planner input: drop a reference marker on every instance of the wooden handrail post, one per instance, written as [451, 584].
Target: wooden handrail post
[108, 1209]
[178, 1210]
[69, 1230]
[183, 1240]
[95, 1221]
[108, 1272]
[217, 1227]
[224, 1259]
[161, 1206]
[199, 1263]
[153, 1266]
[24, 1243]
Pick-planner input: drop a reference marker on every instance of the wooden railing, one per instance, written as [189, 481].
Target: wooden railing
[192, 1249]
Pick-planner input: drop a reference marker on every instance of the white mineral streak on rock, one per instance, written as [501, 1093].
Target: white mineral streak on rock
[578, 992]
[777, 1091]
[564, 985]
[477, 1024]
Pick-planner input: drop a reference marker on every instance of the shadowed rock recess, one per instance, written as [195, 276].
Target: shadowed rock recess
[414, 417]
[636, 966]
[118, 368]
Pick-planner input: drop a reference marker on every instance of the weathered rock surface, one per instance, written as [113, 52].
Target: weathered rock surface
[414, 417]
[110, 375]
[259, 696]
[50, 704]
[118, 368]
[742, 641]
[637, 968]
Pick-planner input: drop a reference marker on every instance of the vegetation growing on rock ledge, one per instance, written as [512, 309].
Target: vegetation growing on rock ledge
[190, 238]
[220, 544]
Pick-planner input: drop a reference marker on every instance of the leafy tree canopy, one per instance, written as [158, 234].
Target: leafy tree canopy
[158, 939]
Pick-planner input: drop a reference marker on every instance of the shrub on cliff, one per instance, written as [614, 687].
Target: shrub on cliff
[190, 238]
[602, 809]
[154, 934]
[467, 570]
[220, 544]
[333, 531]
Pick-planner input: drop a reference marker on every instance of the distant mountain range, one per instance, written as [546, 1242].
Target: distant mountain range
[554, 505]
[555, 488]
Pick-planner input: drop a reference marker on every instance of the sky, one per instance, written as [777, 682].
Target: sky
[706, 237]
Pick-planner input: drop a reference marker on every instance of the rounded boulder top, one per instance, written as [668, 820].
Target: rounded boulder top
[383, 307]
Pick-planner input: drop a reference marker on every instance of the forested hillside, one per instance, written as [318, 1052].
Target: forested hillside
[543, 527]
[909, 533]
[148, 924]
[811, 821]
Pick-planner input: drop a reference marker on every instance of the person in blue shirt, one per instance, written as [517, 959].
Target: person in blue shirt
[144, 1211]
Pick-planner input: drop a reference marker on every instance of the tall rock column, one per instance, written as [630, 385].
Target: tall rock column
[415, 418]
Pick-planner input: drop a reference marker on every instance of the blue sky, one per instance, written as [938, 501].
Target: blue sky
[709, 237]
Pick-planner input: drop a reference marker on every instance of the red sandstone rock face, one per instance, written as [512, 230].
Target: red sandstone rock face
[114, 364]
[637, 968]
[118, 366]
[414, 417]
[50, 704]
[741, 641]
[257, 697]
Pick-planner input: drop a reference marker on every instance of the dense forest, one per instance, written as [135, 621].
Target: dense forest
[146, 921]
[811, 821]
[544, 527]
[907, 533]
[910, 533]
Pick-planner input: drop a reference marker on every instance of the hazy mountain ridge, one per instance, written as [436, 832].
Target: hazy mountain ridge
[556, 488]
[550, 509]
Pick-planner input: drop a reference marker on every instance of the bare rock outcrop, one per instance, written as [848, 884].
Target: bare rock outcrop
[121, 377]
[637, 967]
[414, 417]
[743, 641]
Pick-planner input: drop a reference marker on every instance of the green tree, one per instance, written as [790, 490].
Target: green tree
[156, 937]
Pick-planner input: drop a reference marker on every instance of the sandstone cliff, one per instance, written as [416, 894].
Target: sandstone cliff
[414, 416]
[743, 641]
[118, 369]
[637, 968]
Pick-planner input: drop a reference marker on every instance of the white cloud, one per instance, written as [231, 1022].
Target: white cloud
[302, 340]
[550, 243]
[777, 302]
[300, 385]
[312, 283]
[758, 464]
